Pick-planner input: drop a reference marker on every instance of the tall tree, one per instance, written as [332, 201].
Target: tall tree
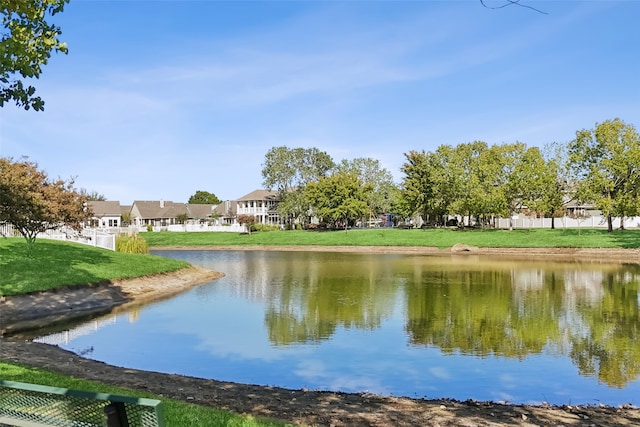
[530, 179]
[33, 203]
[204, 198]
[420, 184]
[371, 173]
[341, 197]
[463, 184]
[288, 171]
[606, 160]
[558, 192]
[26, 43]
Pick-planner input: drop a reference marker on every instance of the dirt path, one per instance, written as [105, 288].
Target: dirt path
[294, 406]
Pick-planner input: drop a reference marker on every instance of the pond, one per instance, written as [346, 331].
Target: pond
[462, 327]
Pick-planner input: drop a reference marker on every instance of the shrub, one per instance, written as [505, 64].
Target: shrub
[265, 227]
[134, 244]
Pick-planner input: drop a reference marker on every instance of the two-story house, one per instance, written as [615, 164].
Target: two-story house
[262, 204]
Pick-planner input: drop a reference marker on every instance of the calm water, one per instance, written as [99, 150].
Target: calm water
[460, 327]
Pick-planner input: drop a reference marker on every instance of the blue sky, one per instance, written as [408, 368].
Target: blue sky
[158, 99]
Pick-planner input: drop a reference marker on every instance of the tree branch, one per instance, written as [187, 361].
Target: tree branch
[511, 3]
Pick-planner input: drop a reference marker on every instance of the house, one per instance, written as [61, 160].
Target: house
[575, 209]
[262, 204]
[200, 213]
[162, 213]
[106, 214]
[226, 212]
[156, 213]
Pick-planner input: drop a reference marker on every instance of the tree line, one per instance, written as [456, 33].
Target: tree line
[474, 180]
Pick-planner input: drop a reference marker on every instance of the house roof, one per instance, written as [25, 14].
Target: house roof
[227, 209]
[105, 208]
[200, 211]
[159, 209]
[259, 195]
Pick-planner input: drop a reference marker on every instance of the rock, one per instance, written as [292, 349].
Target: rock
[461, 247]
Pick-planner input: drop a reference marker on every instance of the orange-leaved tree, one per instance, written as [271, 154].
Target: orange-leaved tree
[33, 203]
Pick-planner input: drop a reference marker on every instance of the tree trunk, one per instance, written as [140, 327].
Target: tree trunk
[609, 223]
[553, 222]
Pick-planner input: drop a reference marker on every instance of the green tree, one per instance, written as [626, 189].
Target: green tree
[93, 196]
[340, 197]
[182, 218]
[606, 160]
[288, 171]
[557, 194]
[371, 173]
[420, 185]
[204, 198]
[463, 183]
[531, 178]
[33, 203]
[26, 43]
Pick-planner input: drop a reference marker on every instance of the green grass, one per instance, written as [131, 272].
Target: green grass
[176, 413]
[53, 264]
[441, 238]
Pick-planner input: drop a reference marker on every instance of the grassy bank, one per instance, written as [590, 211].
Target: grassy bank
[441, 238]
[176, 413]
[53, 264]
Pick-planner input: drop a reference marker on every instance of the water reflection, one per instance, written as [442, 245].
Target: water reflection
[332, 320]
[467, 304]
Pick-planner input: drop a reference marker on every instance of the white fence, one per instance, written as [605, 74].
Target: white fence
[87, 236]
[596, 221]
[234, 228]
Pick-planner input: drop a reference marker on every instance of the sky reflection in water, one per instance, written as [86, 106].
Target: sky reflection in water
[459, 327]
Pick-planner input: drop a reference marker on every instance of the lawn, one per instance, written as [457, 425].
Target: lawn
[176, 413]
[53, 264]
[441, 238]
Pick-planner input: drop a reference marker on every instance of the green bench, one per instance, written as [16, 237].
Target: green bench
[31, 405]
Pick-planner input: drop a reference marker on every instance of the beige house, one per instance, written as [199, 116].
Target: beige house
[160, 213]
[106, 214]
[226, 212]
[156, 213]
[262, 204]
[201, 212]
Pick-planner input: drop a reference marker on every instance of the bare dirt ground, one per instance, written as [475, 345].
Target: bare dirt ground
[308, 407]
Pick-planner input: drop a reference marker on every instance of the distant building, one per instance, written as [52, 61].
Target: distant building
[106, 214]
[262, 204]
[226, 212]
[156, 213]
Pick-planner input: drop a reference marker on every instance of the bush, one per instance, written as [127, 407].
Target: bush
[134, 244]
[265, 227]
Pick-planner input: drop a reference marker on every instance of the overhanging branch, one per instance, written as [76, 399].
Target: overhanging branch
[512, 3]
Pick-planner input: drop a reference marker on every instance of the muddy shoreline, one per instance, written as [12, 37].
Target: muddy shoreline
[308, 407]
